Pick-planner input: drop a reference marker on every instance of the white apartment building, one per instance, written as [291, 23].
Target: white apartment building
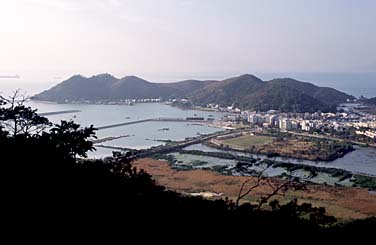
[285, 123]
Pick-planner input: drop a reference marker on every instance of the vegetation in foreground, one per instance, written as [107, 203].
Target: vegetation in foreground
[47, 183]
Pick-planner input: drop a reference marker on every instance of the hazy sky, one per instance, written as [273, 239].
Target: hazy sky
[157, 39]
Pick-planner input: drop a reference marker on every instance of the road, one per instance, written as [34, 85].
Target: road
[182, 144]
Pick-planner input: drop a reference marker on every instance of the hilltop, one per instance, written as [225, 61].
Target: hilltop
[285, 94]
[108, 88]
[246, 92]
[371, 101]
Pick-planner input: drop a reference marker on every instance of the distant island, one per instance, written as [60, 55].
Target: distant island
[10, 76]
[246, 92]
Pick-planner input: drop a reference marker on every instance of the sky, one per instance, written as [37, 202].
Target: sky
[47, 40]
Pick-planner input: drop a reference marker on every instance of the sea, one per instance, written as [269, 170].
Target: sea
[149, 134]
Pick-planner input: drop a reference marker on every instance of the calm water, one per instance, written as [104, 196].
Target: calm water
[140, 136]
[362, 160]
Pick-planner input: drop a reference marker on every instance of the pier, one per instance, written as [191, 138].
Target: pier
[123, 124]
[58, 112]
[158, 119]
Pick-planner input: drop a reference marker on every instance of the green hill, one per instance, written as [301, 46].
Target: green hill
[249, 92]
[246, 92]
[109, 88]
[371, 101]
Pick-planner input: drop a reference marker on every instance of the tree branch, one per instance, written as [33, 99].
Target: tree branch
[241, 195]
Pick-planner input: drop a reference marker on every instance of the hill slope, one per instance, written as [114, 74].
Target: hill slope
[79, 88]
[371, 101]
[107, 87]
[246, 92]
[132, 87]
[249, 92]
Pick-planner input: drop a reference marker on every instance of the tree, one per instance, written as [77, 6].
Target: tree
[276, 188]
[70, 140]
[17, 118]
[23, 124]
[279, 188]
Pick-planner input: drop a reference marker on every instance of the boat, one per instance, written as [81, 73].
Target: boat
[164, 129]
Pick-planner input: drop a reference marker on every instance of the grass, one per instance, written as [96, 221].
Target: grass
[365, 181]
[248, 140]
[342, 202]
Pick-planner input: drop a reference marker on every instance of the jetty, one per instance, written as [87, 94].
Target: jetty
[58, 112]
[158, 119]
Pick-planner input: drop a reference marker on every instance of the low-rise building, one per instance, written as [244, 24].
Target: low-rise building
[368, 133]
[285, 123]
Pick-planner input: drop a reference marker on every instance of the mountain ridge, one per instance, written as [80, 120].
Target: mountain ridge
[246, 91]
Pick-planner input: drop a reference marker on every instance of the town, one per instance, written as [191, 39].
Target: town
[348, 118]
